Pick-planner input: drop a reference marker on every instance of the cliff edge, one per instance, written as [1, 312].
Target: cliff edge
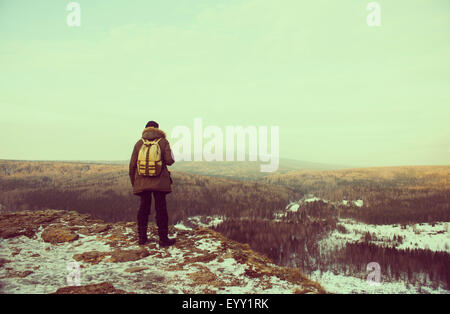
[56, 251]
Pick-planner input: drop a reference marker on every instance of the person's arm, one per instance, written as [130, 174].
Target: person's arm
[133, 164]
[167, 154]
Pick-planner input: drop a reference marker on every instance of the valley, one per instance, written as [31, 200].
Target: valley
[328, 223]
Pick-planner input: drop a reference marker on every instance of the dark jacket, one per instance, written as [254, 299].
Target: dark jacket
[158, 183]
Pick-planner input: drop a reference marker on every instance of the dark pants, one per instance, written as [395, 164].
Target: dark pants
[162, 219]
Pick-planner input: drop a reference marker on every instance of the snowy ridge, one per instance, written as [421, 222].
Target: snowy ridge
[200, 221]
[418, 236]
[337, 283]
[37, 247]
[310, 198]
[423, 236]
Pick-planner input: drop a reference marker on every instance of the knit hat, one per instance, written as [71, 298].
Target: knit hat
[152, 124]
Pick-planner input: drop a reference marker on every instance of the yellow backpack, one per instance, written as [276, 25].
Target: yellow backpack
[149, 161]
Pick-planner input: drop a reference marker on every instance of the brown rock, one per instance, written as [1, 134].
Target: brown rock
[205, 277]
[130, 224]
[20, 274]
[116, 256]
[99, 228]
[26, 222]
[92, 257]
[3, 261]
[94, 229]
[16, 231]
[135, 269]
[84, 231]
[58, 234]
[119, 256]
[101, 288]
[15, 251]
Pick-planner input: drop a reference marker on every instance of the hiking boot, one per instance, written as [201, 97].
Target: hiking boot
[167, 242]
[142, 241]
[142, 235]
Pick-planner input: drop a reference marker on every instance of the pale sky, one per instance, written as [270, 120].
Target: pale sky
[340, 91]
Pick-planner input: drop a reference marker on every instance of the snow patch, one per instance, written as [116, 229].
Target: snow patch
[337, 283]
[417, 236]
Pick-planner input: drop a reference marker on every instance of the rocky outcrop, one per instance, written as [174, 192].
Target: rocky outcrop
[116, 256]
[101, 288]
[92, 257]
[27, 223]
[136, 269]
[40, 249]
[58, 234]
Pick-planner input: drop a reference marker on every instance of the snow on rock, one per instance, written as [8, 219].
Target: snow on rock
[107, 259]
[293, 207]
[299, 206]
[313, 199]
[199, 221]
[57, 234]
[180, 225]
[309, 198]
[296, 206]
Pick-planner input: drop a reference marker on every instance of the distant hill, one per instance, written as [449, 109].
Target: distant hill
[249, 170]
[390, 194]
[240, 170]
[104, 190]
[403, 194]
[250, 207]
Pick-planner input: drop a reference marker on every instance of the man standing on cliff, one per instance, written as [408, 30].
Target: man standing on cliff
[149, 177]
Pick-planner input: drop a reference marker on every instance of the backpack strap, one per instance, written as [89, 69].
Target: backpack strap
[147, 142]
